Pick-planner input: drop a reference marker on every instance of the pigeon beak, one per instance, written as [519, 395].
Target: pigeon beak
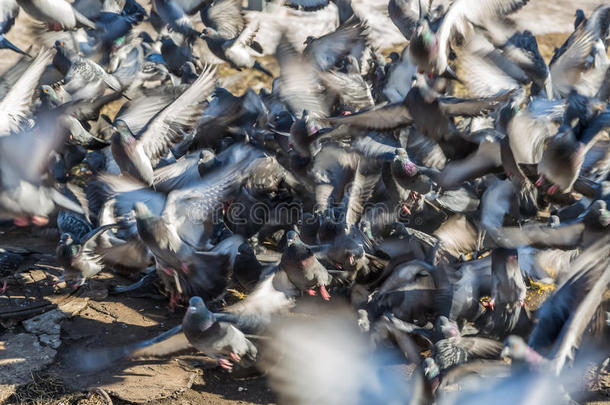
[505, 352]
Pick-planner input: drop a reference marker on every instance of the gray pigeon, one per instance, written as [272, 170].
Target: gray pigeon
[138, 154]
[217, 339]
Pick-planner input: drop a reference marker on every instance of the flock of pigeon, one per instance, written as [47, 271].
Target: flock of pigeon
[415, 218]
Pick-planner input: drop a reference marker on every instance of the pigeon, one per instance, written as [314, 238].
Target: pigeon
[303, 268]
[82, 71]
[79, 259]
[215, 338]
[58, 14]
[138, 156]
[228, 37]
[16, 104]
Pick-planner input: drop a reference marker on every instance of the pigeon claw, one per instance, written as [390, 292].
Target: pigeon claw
[539, 181]
[311, 291]
[553, 189]
[4, 288]
[226, 364]
[39, 220]
[324, 293]
[21, 221]
[234, 357]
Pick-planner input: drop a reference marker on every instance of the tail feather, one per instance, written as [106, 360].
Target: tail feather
[99, 359]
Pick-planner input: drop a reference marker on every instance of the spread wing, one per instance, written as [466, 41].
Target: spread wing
[165, 128]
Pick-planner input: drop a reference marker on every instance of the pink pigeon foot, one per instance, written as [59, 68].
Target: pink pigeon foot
[553, 189]
[21, 221]
[226, 364]
[39, 220]
[324, 293]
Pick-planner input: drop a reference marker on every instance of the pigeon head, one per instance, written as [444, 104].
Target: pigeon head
[63, 48]
[207, 161]
[308, 40]
[199, 314]
[401, 159]
[399, 230]
[209, 33]
[124, 132]
[431, 370]
[48, 93]
[350, 64]
[423, 44]
[291, 238]
[66, 239]
[517, 349]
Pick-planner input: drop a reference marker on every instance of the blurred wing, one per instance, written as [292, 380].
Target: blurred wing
[459, 16]
[138, 112]
[483, 161]
[177, 175]
[589, 267]
[225, 17]
[327, 50]
[486, 73]
[126, 191]
[299, 84]
[306, 359]
[36, 144]
[452, 106]
[482, 347]
[387, 117]
[566, 68]
[579, 320]
[361, 189]
[17, 103]
[165, 128]
[190, 207]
